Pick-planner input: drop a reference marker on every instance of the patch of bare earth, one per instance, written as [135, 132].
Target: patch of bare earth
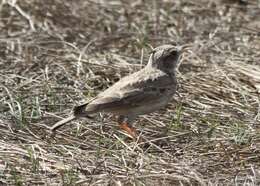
[56, 54]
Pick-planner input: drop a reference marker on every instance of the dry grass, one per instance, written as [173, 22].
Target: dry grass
[55, 54]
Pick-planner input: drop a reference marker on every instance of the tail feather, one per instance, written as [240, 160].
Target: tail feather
[78, 111]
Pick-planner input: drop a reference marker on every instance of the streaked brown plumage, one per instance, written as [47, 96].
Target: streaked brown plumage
[142, 92]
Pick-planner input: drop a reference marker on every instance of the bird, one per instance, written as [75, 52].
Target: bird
[142, 92]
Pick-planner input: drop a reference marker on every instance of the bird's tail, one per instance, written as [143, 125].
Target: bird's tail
[78, 111]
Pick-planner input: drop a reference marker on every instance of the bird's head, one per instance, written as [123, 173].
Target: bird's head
[165, 58]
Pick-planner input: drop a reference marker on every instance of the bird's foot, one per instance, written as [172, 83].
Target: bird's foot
[131, 131]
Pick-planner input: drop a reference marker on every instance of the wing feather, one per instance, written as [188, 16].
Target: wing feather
[131, 95]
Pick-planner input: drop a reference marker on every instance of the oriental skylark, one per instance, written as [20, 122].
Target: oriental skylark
[142, 92]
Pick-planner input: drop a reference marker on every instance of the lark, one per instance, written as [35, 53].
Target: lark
[142, 92]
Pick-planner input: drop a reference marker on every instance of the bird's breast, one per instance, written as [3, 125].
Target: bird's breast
[160, 102]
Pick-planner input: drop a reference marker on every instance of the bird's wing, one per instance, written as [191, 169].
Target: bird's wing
[131, 95]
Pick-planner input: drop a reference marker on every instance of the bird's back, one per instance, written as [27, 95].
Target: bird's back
[140, 89]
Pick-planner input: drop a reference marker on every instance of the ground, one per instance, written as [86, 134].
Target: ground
[55, 54]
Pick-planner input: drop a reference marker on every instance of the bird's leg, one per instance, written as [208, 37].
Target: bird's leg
[128, 129]
[125, 125]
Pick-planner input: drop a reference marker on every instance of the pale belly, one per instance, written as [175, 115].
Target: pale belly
[151, 107]
[146, 108]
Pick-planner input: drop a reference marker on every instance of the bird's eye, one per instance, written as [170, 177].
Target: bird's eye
[175, 53]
